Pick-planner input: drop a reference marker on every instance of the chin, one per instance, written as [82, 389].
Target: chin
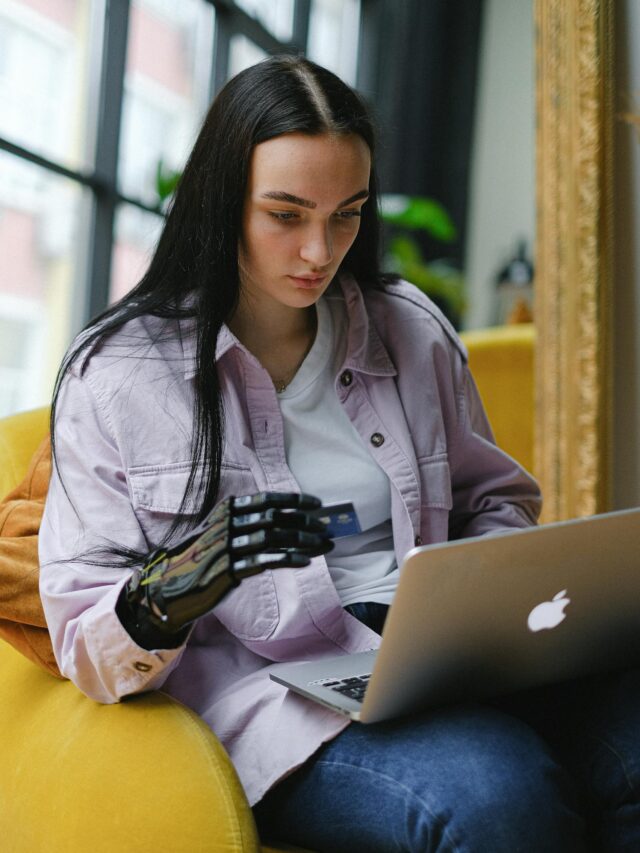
[302, 298]
[305, 300]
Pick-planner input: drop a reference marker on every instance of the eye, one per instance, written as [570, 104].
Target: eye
[283, 215]
[348, 214]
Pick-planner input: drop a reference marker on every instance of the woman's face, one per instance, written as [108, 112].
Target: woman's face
[301, 216]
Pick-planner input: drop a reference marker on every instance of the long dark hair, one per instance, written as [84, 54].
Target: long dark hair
[194, 270]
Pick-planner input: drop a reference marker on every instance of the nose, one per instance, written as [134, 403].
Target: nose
[317, 248]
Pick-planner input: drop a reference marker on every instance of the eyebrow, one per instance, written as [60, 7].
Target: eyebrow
[280, 195]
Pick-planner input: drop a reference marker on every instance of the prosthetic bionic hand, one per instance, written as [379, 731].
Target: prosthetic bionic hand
[240, 537]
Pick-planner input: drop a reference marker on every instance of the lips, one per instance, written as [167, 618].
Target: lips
[306, 281]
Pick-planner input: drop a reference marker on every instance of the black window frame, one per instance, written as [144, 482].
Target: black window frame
[102, 178]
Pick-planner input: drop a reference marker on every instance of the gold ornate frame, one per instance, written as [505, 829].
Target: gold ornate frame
[574, 105]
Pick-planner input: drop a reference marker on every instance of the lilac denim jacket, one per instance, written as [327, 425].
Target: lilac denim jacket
[123, 441]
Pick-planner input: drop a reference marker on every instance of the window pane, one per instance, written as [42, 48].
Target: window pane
[169, 58]
[45, 79]
[333, 36]
[242, 54]
[275, 15]
[136, 234]
[41, 228]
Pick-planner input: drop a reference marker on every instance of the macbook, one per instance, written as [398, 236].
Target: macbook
[490, 615]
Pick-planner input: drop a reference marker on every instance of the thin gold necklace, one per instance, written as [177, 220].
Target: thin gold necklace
[281, 385]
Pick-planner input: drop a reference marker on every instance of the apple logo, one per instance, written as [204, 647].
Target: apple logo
[548, 614]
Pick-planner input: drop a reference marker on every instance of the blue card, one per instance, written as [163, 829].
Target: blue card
[340, 519]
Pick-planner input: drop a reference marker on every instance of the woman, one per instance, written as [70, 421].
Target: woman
[263, 352]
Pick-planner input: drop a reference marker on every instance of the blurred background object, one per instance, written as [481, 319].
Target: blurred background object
[440, 279]
[515, 289]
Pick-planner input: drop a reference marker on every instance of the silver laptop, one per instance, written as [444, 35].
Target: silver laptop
[490, 615]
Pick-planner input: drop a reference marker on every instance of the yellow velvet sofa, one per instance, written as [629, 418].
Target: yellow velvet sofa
[147, 775]
[144, 776]
[502, 361]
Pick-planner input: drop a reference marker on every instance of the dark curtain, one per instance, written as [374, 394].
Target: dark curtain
[418, 70]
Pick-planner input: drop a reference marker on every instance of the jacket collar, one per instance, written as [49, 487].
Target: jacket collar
[365, 353]
[365, 350]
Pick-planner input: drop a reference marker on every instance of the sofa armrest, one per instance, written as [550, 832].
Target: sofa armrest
[144, 775]
[502, 362]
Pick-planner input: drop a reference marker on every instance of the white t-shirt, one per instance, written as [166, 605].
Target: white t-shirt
[329, 459]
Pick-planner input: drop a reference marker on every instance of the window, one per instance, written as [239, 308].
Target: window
[45, 87]
[242, 54]
[93, 106]
[136, 233]
[41, 229]
[275, 15]
[333, 36]
[166, 89]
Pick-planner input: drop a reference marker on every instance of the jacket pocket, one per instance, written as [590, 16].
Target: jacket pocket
[435, 482]
[251, 610]
[160, 489]
[435, 498]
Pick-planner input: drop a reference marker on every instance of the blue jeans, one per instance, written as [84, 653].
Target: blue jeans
[552, 769]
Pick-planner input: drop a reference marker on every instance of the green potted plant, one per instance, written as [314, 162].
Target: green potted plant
[439, 280]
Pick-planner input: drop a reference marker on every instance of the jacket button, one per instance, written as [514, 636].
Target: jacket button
[377, 439]
[346, 378]
[142, 667]
[417, 541]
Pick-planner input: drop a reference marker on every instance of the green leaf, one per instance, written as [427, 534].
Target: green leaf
[166, 181]
[418, 213]
[405, 250]
[437, 279]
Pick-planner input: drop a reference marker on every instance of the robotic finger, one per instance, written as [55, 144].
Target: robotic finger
[277, 518]
[311, 544]
[274, 500]
[259, 562]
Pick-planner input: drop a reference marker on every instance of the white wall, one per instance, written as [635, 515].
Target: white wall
[626, 297]
[502, 184]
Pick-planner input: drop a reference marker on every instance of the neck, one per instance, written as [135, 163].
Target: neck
[259, 328]
[280, 339]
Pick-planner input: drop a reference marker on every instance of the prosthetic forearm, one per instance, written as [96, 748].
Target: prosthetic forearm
[240, 537]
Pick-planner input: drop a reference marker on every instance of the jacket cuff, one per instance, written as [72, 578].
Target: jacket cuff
[136, 622]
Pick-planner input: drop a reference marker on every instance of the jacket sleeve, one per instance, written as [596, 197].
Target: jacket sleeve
[88, 511]
[491, 491]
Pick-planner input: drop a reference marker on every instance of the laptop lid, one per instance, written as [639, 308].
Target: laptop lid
[495, 614]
